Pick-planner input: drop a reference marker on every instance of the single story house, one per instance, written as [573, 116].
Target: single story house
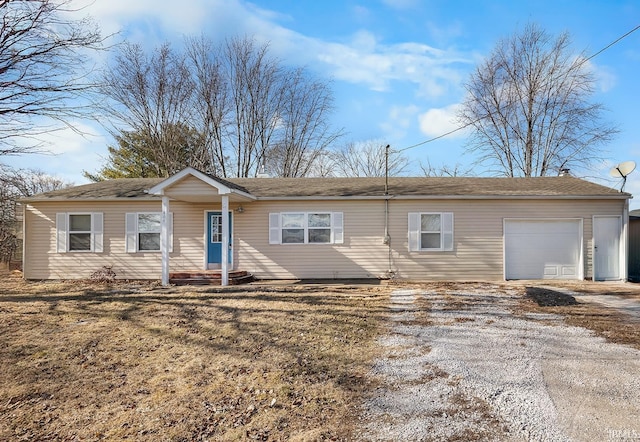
[450, 228]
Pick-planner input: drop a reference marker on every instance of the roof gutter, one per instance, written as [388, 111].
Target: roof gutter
[616, 196]
[444, 197]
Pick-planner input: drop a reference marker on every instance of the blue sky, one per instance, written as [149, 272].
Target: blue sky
[397, 66]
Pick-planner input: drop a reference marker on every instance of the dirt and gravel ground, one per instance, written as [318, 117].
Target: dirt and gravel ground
[441, 361]
[476, 362]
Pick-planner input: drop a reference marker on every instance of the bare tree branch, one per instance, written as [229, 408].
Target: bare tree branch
[443, 171]
[43, 70]
[16, 184]
[529, 105]
[367, 159]
[249, 109]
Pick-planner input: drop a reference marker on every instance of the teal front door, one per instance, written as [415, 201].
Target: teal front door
[214, 240]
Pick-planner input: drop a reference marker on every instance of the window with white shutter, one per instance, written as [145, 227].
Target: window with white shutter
[306, 228]
[79, 232]
[143, 232]
[430, 231]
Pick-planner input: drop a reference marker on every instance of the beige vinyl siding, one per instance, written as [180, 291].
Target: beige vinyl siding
[478, 238]
[190, 187]
[477, 252]
[362, 255]
[43, 262]
[478, 234]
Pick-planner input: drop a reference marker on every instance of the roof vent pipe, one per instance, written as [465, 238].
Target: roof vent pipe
[263, 173]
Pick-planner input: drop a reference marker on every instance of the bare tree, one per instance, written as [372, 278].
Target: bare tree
[16, 184]
[323, 165]
[529, 105]
[367, 159]
[256, 95]
[212, 102]
[457, 169]
[305, 132]
[154, 96]
[43, 70]
[250, 110]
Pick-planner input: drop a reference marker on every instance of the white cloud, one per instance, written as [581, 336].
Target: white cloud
[605, 79]
[360, 60]
[436, 122]
[399, 121]
[115, 15]
[364, 60]
[68, 153]
[604, 76]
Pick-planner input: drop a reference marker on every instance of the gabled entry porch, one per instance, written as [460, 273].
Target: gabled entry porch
[193, 186]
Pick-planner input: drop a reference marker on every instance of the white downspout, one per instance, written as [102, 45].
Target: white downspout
[164, 240]
[225, 240]
[24, 238]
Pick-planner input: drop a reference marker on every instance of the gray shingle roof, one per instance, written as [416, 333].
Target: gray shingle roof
[564, 186]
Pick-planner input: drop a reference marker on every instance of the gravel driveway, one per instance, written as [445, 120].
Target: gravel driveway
[467, 368]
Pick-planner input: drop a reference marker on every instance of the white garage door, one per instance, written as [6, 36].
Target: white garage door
[544, 249]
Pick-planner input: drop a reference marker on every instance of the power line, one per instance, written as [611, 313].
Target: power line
[430, 140]
[438, 137]
[612, 43]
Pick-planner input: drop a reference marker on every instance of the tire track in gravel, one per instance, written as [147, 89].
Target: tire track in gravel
[419, 401]
[477, 372]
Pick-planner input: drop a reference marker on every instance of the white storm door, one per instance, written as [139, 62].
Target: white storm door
[606, 247]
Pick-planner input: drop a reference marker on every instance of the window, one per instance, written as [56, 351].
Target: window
[306, 228]
[79, 232]
[319, 227]
[143, 231]
[293, 225]
[149, 231]
[430, 231]
[216, 228]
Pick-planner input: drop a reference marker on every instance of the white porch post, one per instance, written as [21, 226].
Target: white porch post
[225, 240]
[164, 240]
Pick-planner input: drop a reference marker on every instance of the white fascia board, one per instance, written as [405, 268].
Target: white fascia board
[437, 197]
[511, 197]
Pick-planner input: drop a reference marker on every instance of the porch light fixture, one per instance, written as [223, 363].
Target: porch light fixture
[240, 209]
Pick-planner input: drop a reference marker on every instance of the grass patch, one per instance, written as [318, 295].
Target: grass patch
[138, 362]
[607, 322]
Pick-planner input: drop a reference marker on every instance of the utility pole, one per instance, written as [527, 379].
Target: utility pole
[386, 170]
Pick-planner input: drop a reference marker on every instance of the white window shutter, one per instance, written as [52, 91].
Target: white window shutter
[61, 232]
[447, 231]
[338, 229]
[414, 231]
[131, 237]
[274, 228]
[96, 232]
[170, 228]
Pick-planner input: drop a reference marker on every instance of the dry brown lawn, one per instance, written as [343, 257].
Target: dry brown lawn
[138, 362]
[607, 322]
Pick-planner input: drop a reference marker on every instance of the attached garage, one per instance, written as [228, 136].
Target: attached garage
[543, 249]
